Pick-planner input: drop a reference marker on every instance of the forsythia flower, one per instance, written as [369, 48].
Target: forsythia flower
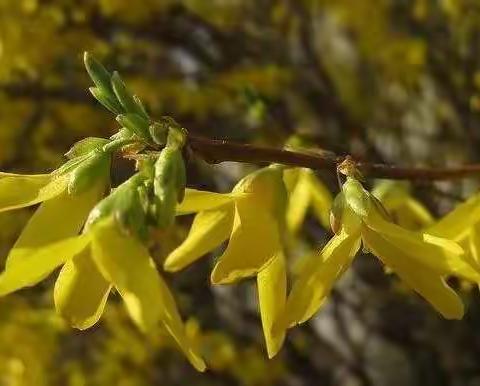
[61, 215]
[419, 259]
[96, 261]
[405, 210]
[250, 217]
[306, 190]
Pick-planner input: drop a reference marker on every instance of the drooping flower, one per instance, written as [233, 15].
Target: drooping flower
[305, 191]
[66, 197]
[421, 260]
[105, 255]
[251, 219]
[404, 209]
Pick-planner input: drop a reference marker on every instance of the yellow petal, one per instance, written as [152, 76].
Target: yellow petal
[419, 211]
[126, 263]
[317, 278]
[19, 191]
[81, 291]
[474, 247]
[290, 178]
[199, 200]
[209, 229]
[37, 265]
[272, 288]
[298, 203]
[438, 254]
[427, 283]
[456, 224]
[321, 199]
[253, 243]
[56, 219]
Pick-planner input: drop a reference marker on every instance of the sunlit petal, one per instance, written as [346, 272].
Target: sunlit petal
[37, 265]
[126, 263]
[200, 200]
[253, 244]
[427, 283]
[56, 219]
[298, 203]
[19, 191]
[272, 288]
[81, 291]
[209, 230]
[438, 254]
[317, 278]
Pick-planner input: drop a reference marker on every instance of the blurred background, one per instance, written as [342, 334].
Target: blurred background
[395, 81]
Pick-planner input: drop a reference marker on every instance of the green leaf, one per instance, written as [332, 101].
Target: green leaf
[136, 124]
[106, 100]
[99, 75]
[124, 96]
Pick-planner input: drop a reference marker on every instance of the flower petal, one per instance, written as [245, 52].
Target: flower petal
[272, 288]
[438, 254]
[456, 224]
[254, 241]
[298, 203]
[126, 263]
[56, 219]
[317, 278]
[209, 229]
[19, 191]
[39, 263]
[429, 284]
[199, 200]
[322, 200]
[81, 291]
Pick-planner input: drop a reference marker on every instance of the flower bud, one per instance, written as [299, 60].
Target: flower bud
[336, 213]
[135, 124]
[106, 100]
[88, 172]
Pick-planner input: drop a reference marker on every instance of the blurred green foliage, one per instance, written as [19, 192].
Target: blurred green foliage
[384, 80]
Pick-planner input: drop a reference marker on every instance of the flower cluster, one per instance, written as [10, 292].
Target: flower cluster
[98, 235]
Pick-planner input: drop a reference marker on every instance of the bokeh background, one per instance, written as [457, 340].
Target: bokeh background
[395, 81]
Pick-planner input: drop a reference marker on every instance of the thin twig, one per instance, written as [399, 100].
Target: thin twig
[216, 151]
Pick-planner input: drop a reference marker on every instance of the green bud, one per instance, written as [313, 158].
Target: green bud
[71, 164]
[124, 96]
[125, 205]
[136, 124]
[356, 197]
[158, 132]
[106, 100]
[88, 172]
[85, 146]
[99, 75]
[169, 184]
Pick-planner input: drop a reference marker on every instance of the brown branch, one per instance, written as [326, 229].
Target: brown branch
[216, 151]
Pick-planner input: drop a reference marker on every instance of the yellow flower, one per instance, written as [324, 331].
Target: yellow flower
[250, 217]
[102, 258]
[306, 190]
[419, 259]
[405, 210]
[61, 215]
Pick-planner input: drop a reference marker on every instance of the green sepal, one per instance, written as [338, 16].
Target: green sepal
[106, 100]
[124, 96]
[158, 132]
[141, 107]
[336, 213]
[70, 165]
[136, 124]
[126, 206]
[85, 146]
[96, 166]
[356, 197]
[99, 75]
